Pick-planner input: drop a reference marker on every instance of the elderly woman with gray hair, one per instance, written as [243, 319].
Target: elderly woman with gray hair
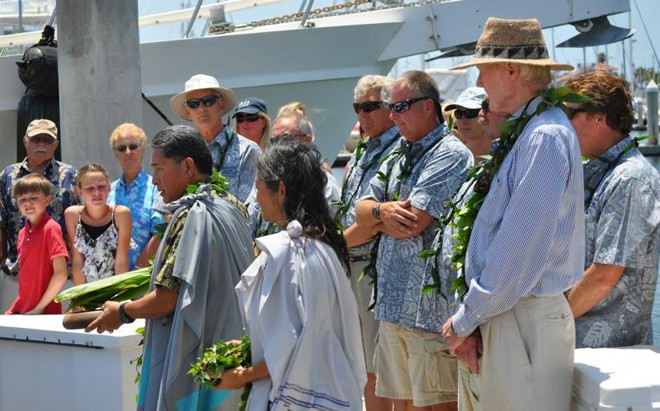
[135, 190]
[296, 300]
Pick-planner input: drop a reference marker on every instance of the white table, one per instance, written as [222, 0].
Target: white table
[46, 367]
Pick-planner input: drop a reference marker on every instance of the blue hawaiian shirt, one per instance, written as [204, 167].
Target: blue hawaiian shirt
[235, 157]
[362, 167]
[61, 175]
[440, 163]
[140, 197]
[622, 228]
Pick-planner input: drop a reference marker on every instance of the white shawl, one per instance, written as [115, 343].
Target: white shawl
[302, 319]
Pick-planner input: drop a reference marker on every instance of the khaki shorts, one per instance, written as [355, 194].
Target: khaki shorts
[368, 323]
[414, 365]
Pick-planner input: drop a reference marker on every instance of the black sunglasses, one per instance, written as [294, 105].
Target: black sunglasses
[206, 100]
[250, 118]
[42, 140]
[285, 138]
[467, 114]
[404, 105]
[367, 106]
[123, 147]
[485, 106]
[573, 111]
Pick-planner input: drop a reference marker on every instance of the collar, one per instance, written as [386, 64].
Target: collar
[613, 152]
[430, 139]
[384, 140]
[37, 227]
[139, 181]
[49, 165]
[224, 137]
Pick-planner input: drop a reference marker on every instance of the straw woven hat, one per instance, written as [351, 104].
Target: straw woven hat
[512, 41]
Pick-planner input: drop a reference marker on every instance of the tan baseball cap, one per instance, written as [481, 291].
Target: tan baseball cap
[41, 126]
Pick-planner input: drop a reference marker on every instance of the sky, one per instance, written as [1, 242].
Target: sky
[643, 55]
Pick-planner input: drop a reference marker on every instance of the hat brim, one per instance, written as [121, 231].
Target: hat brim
[247, 110]
[39, 132]
[550, 63]
[177, 103]
[470, 105]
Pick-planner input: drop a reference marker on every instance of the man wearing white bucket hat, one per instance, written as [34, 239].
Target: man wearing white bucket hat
[204, 102]
[527, 234]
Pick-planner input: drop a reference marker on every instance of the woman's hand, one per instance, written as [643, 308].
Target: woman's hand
[232, 379]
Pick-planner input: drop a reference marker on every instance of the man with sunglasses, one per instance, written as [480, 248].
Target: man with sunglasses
[380, 137]
[204, 102]
[613, 301]
[40, 141]
[403, 203]
[466, 112]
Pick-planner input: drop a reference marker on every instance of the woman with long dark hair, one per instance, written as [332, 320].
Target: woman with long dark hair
[296, 298]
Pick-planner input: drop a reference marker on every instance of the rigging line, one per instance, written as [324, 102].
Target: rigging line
[647, 32]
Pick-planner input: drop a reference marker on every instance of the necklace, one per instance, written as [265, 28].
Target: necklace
[222, 151]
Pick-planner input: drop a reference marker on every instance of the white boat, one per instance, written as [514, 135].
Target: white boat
[317, 62]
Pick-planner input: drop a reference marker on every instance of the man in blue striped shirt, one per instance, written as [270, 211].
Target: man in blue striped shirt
[526, 246]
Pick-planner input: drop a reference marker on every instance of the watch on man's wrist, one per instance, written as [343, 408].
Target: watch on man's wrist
[375, 211]
[125, 318]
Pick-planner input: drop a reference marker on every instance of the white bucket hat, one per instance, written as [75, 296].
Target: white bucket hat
[202, 82]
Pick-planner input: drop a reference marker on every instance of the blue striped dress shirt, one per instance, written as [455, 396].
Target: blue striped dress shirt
[528, 238]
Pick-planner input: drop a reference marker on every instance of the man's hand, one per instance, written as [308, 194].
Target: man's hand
[108, 320]
[398, 217]
[453, 340]
[470, 351]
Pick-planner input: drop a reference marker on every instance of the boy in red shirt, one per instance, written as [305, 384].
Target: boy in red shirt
[42, 252]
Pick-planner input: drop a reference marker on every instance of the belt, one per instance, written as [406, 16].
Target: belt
[360, 257]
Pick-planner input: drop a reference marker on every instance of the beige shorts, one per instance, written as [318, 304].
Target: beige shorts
[368, 323]
[414, 365]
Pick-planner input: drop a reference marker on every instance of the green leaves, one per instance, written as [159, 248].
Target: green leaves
[222, 356]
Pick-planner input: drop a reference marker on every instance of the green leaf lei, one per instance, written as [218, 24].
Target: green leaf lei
[461, 216]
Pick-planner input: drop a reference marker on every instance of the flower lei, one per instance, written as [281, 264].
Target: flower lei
[462, 216]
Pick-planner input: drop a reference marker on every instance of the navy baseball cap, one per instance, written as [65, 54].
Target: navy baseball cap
[251, 105]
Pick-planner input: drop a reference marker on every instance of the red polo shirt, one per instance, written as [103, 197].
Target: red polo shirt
[37, 246]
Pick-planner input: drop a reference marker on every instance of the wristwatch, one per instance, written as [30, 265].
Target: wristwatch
[375, 211]
[125, 318]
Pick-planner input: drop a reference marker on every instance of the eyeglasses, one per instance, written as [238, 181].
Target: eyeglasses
[42, 140]
[467, 114]
[209, 100]
[485, 106]
[404, 105]
[573, 111]
[250, 118]
[123, 147]
[283, 138]
[367, 106]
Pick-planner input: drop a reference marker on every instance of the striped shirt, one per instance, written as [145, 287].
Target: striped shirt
[528, 238]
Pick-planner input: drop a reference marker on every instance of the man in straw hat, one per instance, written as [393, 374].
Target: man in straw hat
[204, 102]
[525, 249]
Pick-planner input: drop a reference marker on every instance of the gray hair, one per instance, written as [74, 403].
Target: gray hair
[383, 85]
[422, 85]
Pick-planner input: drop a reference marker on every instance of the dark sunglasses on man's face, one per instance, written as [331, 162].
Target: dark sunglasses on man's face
[250, 118]
[367, 106]
[42, 140]
[123, 147]
[485, 106]
[467, 114]
[404, 105]
[209, 100]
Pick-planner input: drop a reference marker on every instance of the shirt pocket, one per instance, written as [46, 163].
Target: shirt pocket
[492, 210]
